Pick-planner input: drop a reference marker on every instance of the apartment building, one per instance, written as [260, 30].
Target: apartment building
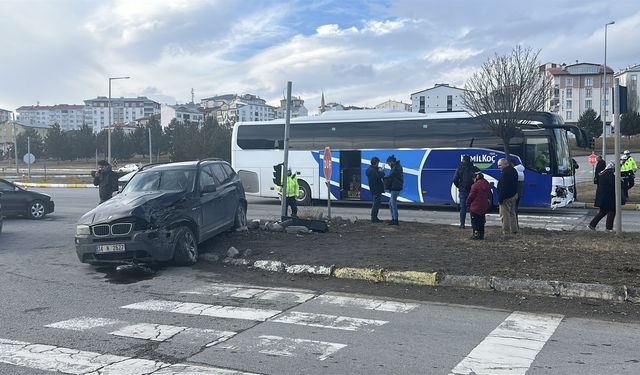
[7, 128]
[578, 87]
[68, 116]
[394, 105]
[297, 108]
[4, 115]
[181, 112]
[629, 78]
[123, 110]
[439, 98]
[245, 107]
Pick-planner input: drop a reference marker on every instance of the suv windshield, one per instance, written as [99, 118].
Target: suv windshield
[168, 179]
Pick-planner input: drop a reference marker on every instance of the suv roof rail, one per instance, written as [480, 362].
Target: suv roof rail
[150, 165]
[208, 159]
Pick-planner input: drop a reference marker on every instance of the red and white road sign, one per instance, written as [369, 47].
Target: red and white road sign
[327, 164]
[592, 159]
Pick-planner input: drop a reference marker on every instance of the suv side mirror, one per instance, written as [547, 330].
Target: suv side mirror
[208, 189]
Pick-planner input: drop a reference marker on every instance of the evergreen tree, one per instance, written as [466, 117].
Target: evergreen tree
[591, 123]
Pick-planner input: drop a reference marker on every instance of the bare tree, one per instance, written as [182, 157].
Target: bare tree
[506, 88]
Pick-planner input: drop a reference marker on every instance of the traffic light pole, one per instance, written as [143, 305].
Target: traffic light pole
[616, 155]
[285, 167]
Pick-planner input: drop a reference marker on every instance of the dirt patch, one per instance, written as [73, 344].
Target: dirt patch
[587, 193]
[580, 256]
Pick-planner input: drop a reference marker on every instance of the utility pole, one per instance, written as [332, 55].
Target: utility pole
[285, 167]
[616, 156]
[29, 158]
[603, 113]
[150, 153]
[15, 142]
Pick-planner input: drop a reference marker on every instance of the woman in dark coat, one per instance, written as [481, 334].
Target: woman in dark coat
[605, 198]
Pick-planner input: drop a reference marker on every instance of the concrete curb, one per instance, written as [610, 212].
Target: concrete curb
[548, 288]
[628, 206]
[46, 185]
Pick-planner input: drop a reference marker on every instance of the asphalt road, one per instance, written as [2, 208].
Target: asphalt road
[60, 315]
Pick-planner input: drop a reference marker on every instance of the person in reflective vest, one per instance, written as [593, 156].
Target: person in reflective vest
[292, 193]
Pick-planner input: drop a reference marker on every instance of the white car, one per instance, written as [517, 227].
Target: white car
[128, 168]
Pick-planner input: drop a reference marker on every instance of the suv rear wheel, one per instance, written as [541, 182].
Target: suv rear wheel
[185, 252]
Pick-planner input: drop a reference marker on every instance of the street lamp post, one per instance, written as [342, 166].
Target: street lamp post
[109, 125]
[603, 105]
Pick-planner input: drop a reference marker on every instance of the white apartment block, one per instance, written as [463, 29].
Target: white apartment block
[181, 112]
[578, 87]
[4, 115]
[246, 107]
[629, 78]
[69, 117]
[297, 108]
[394, 105]
[123, 111]
[439, 98]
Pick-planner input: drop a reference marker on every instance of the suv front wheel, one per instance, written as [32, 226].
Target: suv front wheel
[186, 249]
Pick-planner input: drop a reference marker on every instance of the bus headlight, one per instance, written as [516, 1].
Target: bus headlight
[561, 192]
[83, 230]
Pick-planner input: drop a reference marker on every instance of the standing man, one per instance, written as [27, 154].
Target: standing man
[605, 198]
[627, 171]
[631, 161]
[507, 196]
[292, 193]
[463, 179]
[394, 182]
[376, 186]
[106, 180]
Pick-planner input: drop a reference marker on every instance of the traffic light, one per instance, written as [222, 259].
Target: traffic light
[277, 174]
[592, 143]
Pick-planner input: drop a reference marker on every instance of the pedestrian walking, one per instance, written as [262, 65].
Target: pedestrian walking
[600, 166]
[605, 198]
[479, 202]
[292, 193]
[106, 180]
[376, 186]
[463, 179]
[507, 196]
[394, 182]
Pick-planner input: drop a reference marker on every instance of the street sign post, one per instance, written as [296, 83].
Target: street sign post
[327, 177]
[592, 158]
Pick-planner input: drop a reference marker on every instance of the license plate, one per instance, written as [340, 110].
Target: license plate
[114, 248]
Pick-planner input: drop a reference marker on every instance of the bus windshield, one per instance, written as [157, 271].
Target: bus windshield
[562, 152]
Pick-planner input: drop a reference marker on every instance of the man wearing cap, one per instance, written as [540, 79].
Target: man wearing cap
[626, 171]
[463, 179]
[631, 161]
[394, 182]
[375, 175]
[292, 193]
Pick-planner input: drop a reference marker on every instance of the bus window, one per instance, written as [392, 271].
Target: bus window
[536, 154]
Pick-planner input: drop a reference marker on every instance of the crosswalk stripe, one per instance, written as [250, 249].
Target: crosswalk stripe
[511, 347]
[218, 311]
[79, 362]
[291, 347]
[365, 303]
[253, 292]
[327, 321]
[83, 323]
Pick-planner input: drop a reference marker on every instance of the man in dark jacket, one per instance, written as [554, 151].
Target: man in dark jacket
[507, 196]
[600, 165]
[605, 198]
[463, 179]
[106, 180]
[376, 186]
[394, 182]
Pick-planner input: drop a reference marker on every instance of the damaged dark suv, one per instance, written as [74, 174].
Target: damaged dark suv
[162, 214]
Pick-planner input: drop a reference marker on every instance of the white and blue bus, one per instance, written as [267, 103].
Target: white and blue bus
[429, 147]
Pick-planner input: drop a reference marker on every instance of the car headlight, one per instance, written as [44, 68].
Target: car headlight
[83, 230]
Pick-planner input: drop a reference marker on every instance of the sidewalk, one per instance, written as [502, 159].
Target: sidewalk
[567, 264]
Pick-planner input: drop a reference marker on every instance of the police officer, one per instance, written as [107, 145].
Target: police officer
[292, 192]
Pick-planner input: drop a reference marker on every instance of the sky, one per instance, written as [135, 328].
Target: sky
[358, 52]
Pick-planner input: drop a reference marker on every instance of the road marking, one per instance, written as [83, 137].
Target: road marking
[218, 311]
[253, 292]
[291, 347]
[365, 303]
[79, 362]
[83, 323]
[328, 321]
[511, 347]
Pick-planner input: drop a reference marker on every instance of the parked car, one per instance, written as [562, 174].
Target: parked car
[163, 213]
[18, 201]
[128, 168]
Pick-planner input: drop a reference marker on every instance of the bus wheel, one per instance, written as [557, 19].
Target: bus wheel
[304, 194]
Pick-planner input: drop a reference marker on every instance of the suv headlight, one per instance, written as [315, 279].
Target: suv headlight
[83, 230]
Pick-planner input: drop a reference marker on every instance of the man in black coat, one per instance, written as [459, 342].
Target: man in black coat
[600, 165]
[507, 196]
[106, 180]
[376, 186]
[394, 182]
[605, 198]
[463, 179]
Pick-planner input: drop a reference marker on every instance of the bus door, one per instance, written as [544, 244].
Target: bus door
[538, 172]
[350, 175]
